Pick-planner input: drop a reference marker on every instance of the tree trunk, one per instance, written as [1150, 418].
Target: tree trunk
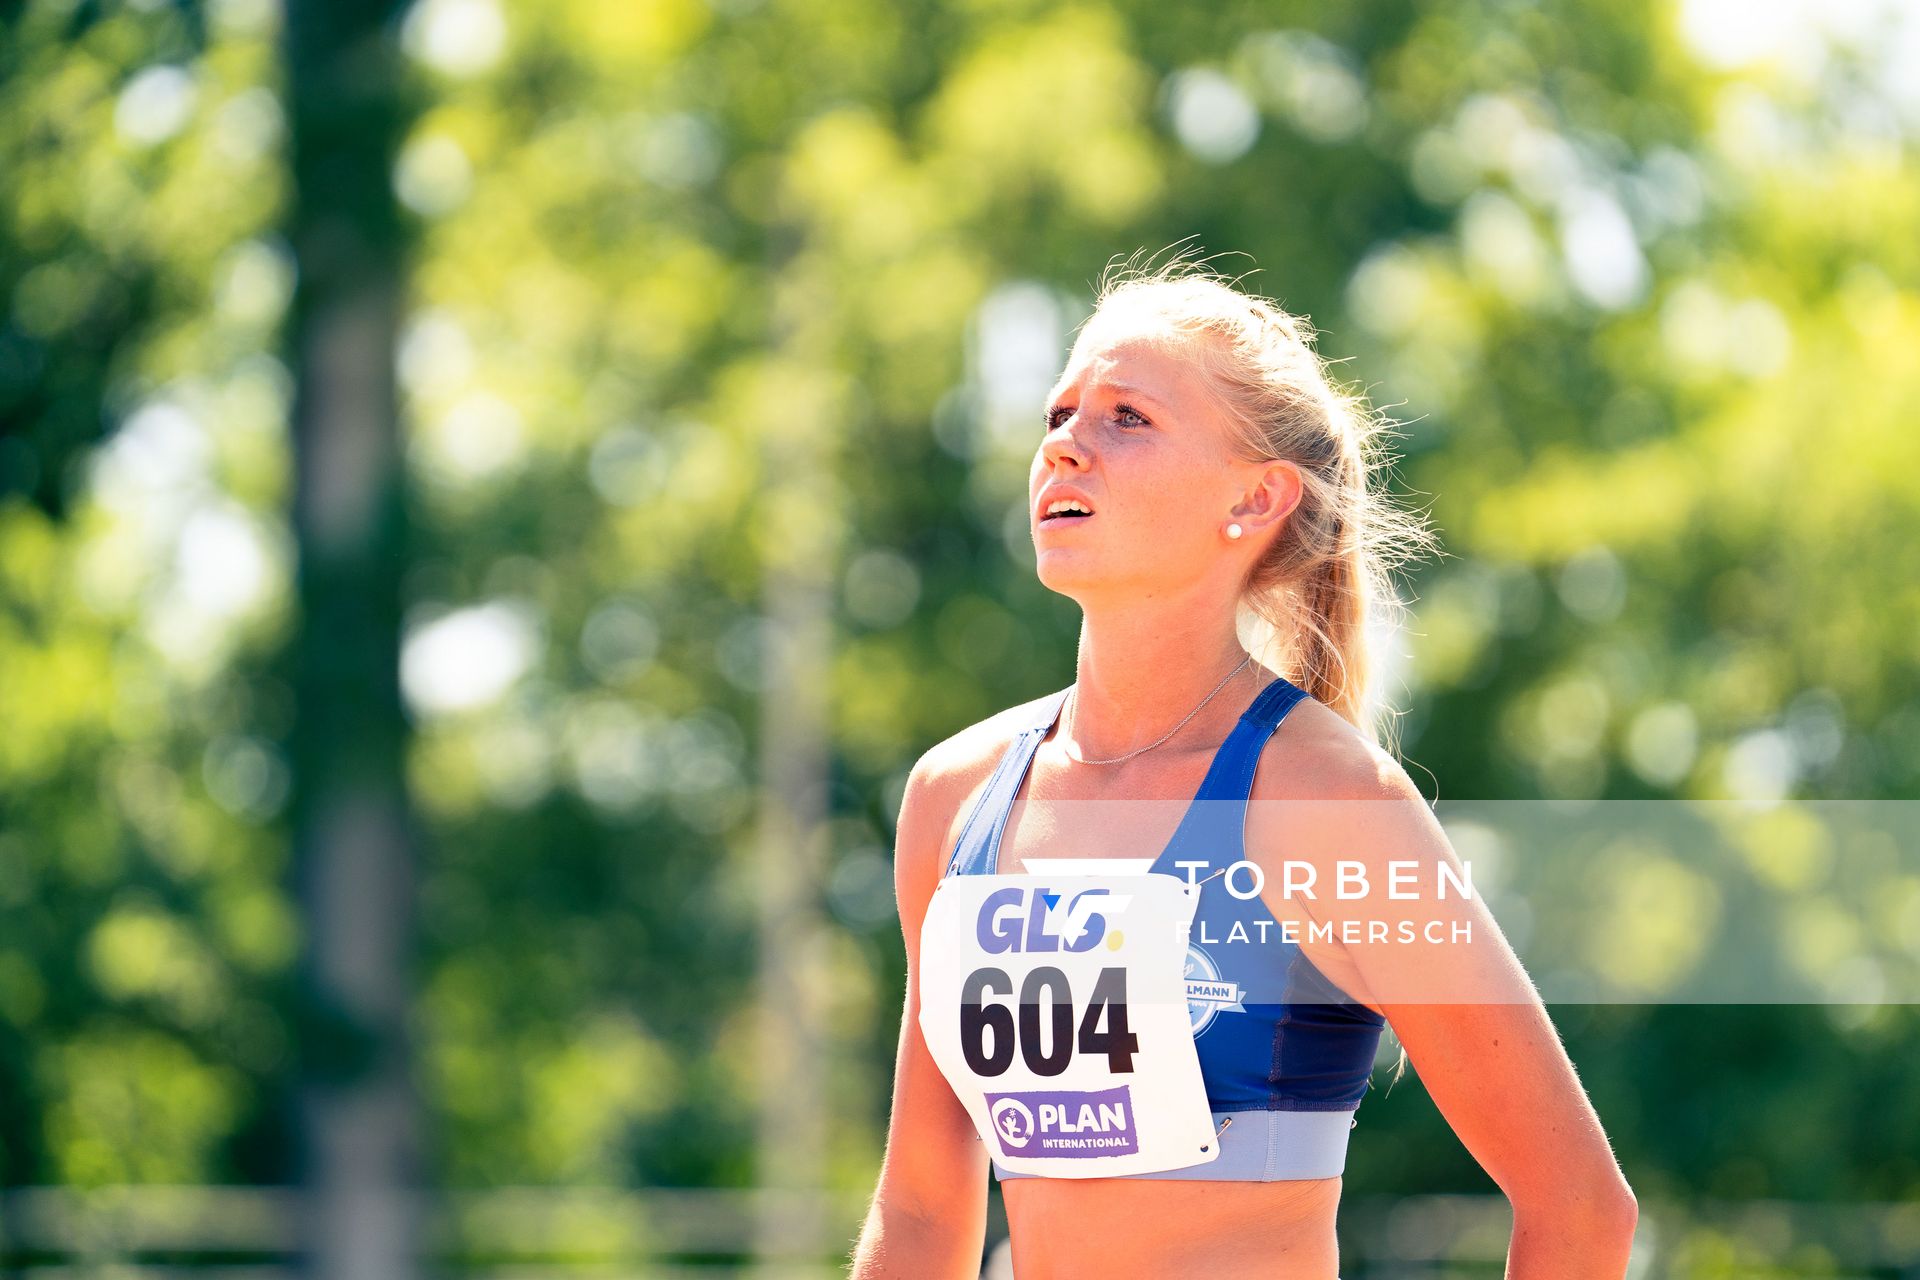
[358, 1113]
[799, 544]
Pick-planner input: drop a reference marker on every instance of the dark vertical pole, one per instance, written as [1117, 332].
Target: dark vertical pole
[798, 559]
[358, 1115]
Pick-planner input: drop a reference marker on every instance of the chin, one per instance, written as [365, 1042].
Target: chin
[1067, 572]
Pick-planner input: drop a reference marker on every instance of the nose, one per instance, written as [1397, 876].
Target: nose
[1060, 445]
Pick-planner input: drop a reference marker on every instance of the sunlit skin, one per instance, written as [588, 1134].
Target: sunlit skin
[1130, 426]
[1134, 428]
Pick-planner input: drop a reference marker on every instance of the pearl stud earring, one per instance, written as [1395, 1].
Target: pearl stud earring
[1233, 531]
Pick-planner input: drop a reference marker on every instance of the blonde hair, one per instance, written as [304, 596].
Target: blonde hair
[1330, 573]
[1328, 576]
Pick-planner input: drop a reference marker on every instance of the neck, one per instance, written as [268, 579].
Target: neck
[1144, 666]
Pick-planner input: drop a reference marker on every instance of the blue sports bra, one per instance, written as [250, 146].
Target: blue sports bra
[1286, 1055]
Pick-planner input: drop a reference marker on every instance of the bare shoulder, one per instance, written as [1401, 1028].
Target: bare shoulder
[1317, 755]
[956, 766]
[1324, 794]
[942, 787]
[1340, 797]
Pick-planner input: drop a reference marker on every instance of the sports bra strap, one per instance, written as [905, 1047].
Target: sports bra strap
[1231, 775]
[978, 850]
[1215, 824]
[1271, 707]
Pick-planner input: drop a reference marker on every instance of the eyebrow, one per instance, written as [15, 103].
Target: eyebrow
[1125, 389]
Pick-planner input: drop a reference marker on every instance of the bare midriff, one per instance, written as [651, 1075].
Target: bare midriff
[1118, 1228]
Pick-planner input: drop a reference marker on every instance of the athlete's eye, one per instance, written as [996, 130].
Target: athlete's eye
[1128, 416]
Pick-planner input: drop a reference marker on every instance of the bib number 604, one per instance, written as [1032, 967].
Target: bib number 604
[981, 1022]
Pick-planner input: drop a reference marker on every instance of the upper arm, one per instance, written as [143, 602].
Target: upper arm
[1471, 1021]
[935, 1163]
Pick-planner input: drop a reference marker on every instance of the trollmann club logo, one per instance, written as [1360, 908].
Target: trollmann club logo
[1207, 993]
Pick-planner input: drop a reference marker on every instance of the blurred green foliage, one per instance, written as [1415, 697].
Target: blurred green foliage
[1640, 285]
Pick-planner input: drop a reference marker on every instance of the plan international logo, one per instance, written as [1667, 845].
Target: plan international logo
[1064, 1123]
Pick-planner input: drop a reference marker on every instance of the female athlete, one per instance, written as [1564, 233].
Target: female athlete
[1199, 472]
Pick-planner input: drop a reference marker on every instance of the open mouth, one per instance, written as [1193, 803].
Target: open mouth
[1066, 509]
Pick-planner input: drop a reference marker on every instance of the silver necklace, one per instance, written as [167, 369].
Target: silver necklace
[1074, 696]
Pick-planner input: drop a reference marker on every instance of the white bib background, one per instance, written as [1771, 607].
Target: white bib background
[1064, 1105]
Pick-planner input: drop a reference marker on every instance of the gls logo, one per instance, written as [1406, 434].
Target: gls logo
[1035, 920]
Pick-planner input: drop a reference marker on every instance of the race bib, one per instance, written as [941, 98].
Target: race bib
[1056, 1006]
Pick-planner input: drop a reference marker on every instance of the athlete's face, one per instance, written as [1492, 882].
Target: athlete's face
[1132, 431]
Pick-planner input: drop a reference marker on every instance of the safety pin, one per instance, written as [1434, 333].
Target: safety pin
[1224, 1126]
[1188, 889]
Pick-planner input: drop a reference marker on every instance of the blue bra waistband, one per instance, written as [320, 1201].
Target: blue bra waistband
[1263, 1146]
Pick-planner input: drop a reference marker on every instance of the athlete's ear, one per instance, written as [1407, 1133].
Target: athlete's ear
[1275, 492]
